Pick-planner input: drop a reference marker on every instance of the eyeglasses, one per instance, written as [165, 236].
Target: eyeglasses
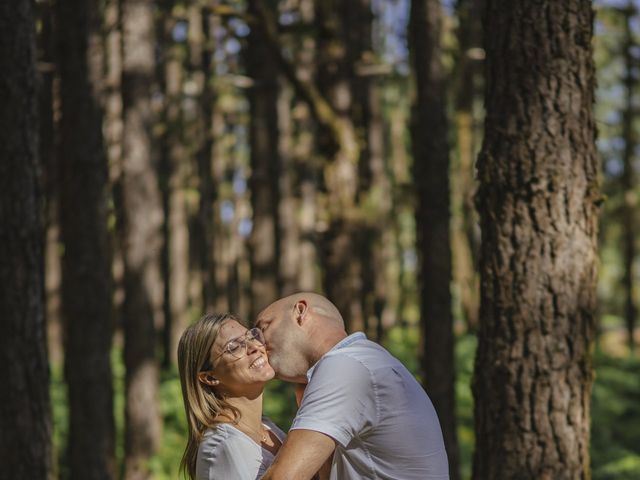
[237, 347]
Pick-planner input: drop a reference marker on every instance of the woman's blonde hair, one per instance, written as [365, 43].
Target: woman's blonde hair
[202, 403]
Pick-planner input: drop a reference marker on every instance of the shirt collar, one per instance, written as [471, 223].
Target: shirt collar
[345, 342]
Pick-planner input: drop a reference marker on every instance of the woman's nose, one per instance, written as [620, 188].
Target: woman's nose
[251, 347]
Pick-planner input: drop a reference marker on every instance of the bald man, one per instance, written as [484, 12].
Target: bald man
[360, 404]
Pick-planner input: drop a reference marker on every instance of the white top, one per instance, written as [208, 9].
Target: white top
[384, 425]
[226, 453]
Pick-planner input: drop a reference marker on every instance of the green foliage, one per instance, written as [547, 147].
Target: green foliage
[465, 353]
[615, 437]
[166, 464]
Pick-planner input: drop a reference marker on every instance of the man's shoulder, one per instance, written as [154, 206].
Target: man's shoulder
[361, 357]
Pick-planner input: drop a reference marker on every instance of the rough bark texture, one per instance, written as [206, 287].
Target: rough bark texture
[263, 138]
[538, 203]
[86, 266]
[142, 308]
[24, 399]
[431, 173]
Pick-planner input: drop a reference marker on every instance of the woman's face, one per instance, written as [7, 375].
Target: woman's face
[235, 366]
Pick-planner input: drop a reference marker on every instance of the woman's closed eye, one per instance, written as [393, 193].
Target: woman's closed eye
[233, 347]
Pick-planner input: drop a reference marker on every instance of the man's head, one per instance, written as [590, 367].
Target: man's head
[299, 329]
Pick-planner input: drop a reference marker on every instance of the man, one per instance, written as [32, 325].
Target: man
[360, 403]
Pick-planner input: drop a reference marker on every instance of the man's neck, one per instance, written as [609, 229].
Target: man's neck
[330, 340]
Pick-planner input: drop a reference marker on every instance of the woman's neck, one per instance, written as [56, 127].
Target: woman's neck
[250, 407]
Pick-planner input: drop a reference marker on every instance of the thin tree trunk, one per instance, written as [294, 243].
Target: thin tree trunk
[264, 244]
[48, 116]
[538, 203]
[113, 138]
[308, 177]
[342, 277]
[25, 416]
[201, 51]
[289, 231]
[431, 173]
[173, 159]
[86, 275]
[142, 308]
[628, 177]
[464, 217]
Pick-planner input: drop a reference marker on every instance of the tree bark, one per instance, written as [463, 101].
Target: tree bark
[431, 173]
[628, 177]
[86, 275]
[342, 277]
[464, 218]
[299, 174]
[25, 436]
[173, 158]
[201, 51]
[142, 308]
[264, 243]
[538, 203]
[113, 139]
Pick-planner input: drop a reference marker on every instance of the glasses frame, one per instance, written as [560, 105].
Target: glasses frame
[243, 340]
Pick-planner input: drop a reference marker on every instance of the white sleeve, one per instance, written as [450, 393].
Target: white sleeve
[339, 401]
[222, 458]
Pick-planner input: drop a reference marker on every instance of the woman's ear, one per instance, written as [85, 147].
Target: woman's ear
[300, 311]
[208, 379]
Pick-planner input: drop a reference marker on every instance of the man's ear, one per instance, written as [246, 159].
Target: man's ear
[208, 379]
[300, 309]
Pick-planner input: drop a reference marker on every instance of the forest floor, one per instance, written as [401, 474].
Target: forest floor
[615, 446]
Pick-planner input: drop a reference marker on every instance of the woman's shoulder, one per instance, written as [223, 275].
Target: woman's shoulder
[222, 435]
[225, 452]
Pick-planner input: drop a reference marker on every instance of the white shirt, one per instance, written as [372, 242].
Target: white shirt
[384, 425]
[226, 453]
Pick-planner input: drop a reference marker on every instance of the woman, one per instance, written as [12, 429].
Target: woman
[223, 371]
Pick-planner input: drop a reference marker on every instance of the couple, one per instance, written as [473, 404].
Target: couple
[362, 414]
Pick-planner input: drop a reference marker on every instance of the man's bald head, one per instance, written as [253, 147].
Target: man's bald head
[319, 305]
[299, 329]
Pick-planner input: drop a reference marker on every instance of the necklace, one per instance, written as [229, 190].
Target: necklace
[262, 433]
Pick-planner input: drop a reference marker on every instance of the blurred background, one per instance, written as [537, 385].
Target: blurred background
[252, 149]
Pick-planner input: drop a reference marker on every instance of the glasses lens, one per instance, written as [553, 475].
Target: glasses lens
[234, 347]
[256, 334]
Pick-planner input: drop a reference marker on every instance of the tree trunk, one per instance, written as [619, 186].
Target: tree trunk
[342, 278]
[264, 244]
[308, 172]
[628, 177]
[25, 436]
[49, 105]
[431, 173]
[538, 203]
[113, 138]
[142, 308]
[201, 52]
[86, 275]
[464, 218]
[173, 160]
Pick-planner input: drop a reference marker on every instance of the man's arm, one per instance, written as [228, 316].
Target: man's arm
[301, 456]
